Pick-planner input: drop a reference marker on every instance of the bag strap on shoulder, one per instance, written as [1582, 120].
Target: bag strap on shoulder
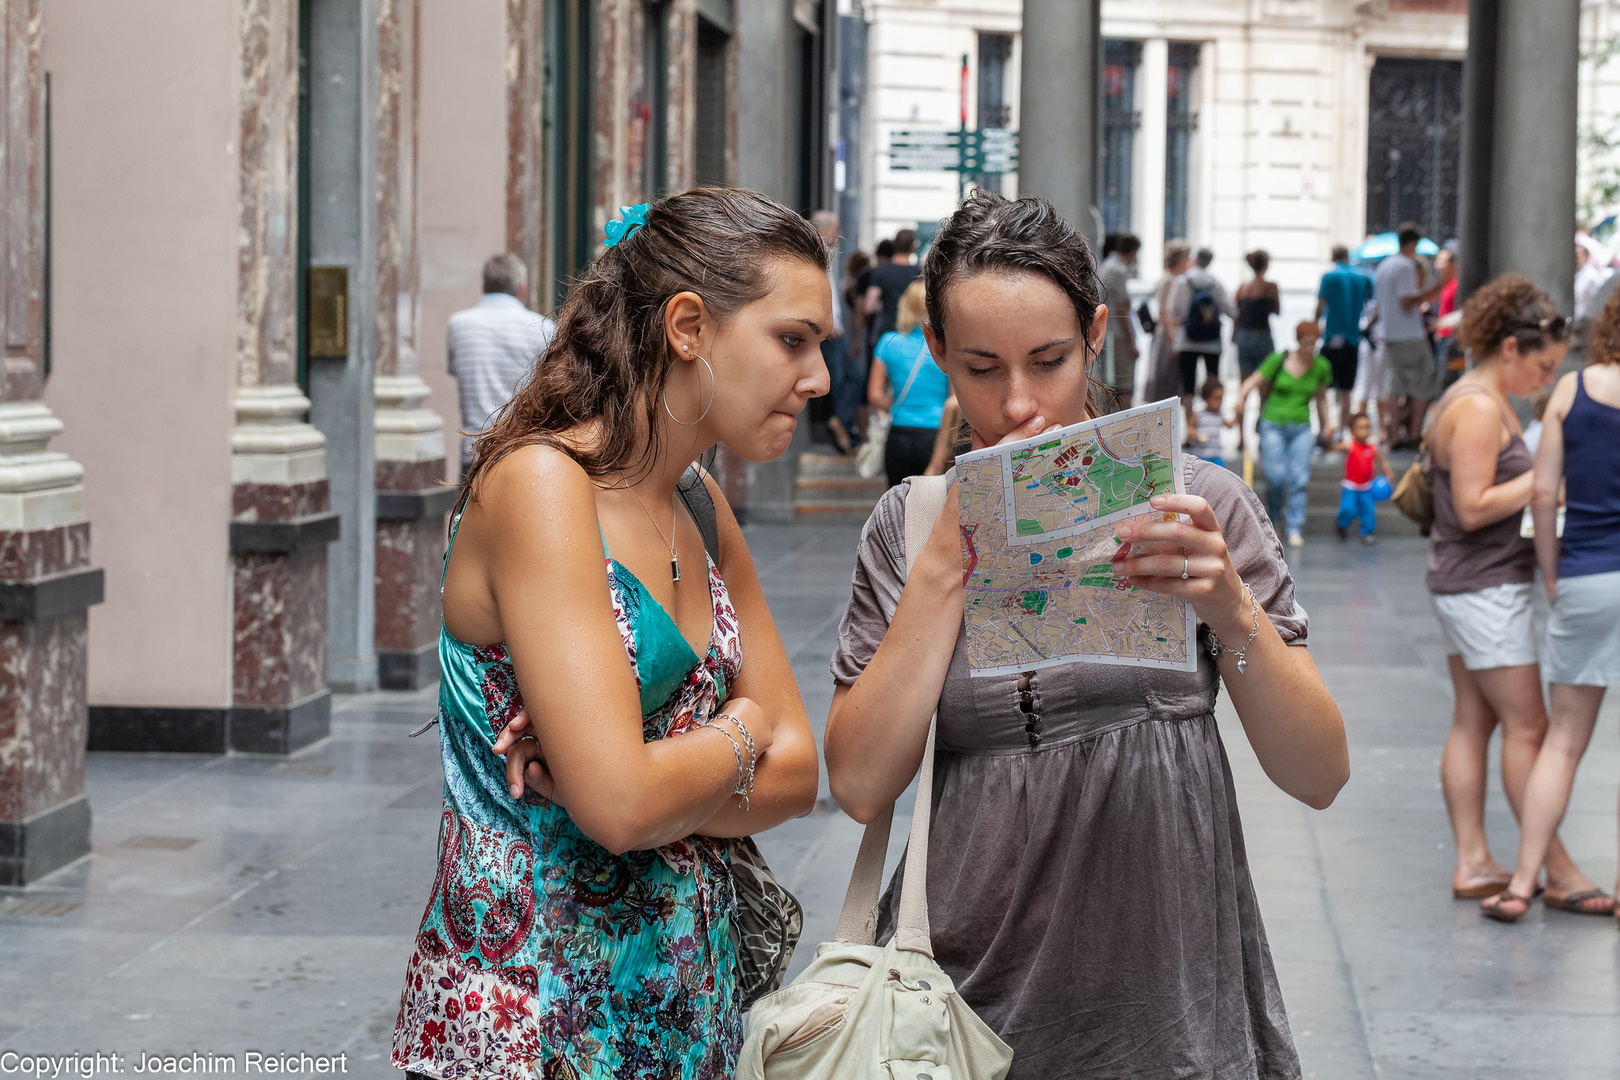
[857, 923]
[700, 504]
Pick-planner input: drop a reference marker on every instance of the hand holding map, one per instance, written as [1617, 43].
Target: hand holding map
[1041, 584]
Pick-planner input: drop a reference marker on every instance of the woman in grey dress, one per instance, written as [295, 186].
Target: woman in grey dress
[1088, 888]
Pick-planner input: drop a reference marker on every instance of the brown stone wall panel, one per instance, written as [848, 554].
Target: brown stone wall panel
[410, 475]
[280, 502]
[524, 136]
[398, 24]
[43, 714]
[22, 199]
[609, 107]
[37, 552]
[280, 641]
[410, 556]
[266, 285]
[682, 94]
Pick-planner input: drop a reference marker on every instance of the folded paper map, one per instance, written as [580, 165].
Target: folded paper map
[1040, 561]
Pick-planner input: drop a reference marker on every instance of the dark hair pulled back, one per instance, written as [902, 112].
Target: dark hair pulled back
[1510, 305]
[990, 233]
[610, 358]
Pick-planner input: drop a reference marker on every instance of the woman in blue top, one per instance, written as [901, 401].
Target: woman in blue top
[906, 381]
[583, 929]
[1580, 450]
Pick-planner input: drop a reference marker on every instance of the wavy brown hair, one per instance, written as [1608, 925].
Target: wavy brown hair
[610, 358]
[1603, 340]
[1510, 305]
[990, 233]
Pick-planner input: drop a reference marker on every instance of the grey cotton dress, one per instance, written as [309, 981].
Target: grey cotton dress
[1090, 895]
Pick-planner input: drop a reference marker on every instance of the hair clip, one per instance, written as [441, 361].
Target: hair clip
[634, 218]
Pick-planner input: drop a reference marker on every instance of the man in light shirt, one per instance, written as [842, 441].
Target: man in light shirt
[1413, 381]
[494, 345]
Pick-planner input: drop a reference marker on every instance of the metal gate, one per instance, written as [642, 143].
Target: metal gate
[1414, 145]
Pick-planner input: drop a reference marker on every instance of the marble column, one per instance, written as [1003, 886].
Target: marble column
[281, 516]
[412, 499]
[46, 581]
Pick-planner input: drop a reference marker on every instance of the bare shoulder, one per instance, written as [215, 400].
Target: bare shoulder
[1563, 396]
[539, 481]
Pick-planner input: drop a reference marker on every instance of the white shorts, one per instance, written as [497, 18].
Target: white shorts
[1372, 373]
[1583, 635]
[1490, 628]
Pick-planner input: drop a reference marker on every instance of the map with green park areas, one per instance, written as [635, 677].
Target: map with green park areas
[1073, 480]
[1041, 565]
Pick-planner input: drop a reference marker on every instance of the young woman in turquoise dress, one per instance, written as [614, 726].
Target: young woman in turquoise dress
[580, 923]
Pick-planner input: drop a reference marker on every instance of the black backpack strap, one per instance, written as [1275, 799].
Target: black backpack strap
[700, 504]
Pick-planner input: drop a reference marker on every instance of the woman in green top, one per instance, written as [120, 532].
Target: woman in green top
[1290, 381]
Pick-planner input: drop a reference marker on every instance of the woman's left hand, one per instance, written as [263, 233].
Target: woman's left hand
[525, 760]
[1186, 559]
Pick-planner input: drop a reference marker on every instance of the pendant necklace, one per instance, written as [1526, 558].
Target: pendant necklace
[674, 560]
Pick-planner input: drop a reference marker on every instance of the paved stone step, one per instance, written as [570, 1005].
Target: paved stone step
[832, 465]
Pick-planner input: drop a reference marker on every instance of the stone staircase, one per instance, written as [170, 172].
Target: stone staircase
[829, 491]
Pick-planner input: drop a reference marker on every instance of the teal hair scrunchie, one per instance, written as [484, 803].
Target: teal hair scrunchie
[634, 218]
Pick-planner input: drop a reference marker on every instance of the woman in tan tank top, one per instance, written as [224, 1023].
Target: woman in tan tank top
[1480, 572]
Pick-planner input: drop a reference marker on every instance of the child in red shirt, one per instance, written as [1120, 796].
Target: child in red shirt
[1356, 497]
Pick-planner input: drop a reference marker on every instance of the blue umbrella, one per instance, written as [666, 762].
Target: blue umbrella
[1384, 245]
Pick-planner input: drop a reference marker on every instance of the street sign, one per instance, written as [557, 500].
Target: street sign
[988, 151]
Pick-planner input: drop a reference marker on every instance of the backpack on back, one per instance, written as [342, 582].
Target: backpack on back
[1203, 315]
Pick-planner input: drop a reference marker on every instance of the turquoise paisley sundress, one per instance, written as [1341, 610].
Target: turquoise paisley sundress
[541, 953]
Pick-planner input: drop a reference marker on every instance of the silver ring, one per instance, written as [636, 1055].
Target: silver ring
[1185, 562]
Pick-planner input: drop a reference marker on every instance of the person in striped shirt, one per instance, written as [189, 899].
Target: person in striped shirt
[493, 345]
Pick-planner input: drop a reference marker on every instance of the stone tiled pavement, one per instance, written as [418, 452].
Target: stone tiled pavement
[236, 904]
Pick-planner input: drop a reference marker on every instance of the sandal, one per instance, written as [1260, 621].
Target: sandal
[1479, 892]
[1498, 909]
[1576, 903]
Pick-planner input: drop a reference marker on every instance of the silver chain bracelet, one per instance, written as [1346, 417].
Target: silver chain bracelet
[745, 780]
[1215, 646]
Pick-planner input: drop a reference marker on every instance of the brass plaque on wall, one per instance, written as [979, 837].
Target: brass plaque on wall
[329, 312]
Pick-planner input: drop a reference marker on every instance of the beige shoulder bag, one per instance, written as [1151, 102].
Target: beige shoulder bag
[864, 1012]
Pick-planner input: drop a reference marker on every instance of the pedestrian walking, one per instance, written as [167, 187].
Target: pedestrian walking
[1116, 272]
[1580, 453]
[1413, 382]
[1257, 301]
[1290, 382]
[906, 382]
[1164, 374]
[1449, 351]
[1362, 457]
[1210, 422]
[492, 346]
[1341, 300]
[1480, 571]
[1199, 301]
[1088, 806]
[845, 371]
[890, 279]
[585, 927]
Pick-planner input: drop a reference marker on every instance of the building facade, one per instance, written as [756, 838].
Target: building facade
[234, 234]
[1289, 125]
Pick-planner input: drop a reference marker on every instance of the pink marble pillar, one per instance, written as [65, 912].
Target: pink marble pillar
[46, 581]
[411, 496]
[281, 516]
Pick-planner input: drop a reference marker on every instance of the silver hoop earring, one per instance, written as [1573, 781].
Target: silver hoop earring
[706, 408]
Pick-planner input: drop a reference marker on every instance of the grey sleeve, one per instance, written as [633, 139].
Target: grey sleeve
[1256, 551]
[875, 588]
[1180, 298]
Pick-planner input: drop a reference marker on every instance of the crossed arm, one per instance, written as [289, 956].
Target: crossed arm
[531, 540]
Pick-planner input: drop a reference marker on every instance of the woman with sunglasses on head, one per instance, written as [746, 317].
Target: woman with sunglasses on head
[1480, 571]
[1580, 456]
[583, 928]
[1087, 885]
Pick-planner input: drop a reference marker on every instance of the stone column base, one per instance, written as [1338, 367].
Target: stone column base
[239, 729]
[410, 560]
[50, 840]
